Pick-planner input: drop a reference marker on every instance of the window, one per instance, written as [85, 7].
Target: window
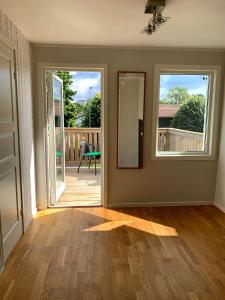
[185, 108]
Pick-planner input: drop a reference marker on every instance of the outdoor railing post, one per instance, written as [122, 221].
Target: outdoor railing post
[73, 137]
[173, 139]
[167, 140]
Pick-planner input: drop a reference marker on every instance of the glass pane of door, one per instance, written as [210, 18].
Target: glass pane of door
[59, 134]
[55, 137]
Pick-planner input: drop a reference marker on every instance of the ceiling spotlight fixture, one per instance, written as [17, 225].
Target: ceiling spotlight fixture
[155, 7]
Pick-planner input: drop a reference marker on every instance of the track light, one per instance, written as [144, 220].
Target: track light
[155, 7]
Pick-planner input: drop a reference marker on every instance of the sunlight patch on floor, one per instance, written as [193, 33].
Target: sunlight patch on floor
[117, 219]
[108, 226]
[49, 211]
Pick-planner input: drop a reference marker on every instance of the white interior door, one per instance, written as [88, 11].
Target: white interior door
[10, 189]
[56, 161]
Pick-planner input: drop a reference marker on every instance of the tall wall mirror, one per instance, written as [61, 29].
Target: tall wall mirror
[131, 99]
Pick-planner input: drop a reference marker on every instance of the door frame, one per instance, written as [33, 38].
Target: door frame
[42, 184]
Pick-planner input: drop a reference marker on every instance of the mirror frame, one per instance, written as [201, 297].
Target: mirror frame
[142, 140]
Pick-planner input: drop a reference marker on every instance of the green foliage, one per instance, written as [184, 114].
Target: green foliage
[190, 115]
[176, 95]
[92, 112]
[71, 109]
[67, 79]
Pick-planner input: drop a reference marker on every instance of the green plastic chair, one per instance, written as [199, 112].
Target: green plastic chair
[85, 152]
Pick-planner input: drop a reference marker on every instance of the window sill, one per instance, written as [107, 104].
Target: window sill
[182, 156]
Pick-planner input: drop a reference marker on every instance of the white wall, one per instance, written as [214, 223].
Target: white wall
[220, 182]
[159, 182]
[24, 87]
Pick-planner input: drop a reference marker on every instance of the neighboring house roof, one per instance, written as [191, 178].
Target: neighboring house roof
[167, 110]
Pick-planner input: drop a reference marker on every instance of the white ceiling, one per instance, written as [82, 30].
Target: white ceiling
[193, 23]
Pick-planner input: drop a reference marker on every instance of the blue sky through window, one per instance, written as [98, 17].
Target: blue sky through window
[195, 84]
[87, 84]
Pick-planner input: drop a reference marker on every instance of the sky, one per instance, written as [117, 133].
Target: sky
[87, 84]
[193, 83]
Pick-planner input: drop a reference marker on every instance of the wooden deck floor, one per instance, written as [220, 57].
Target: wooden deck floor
[82, 189]
[173, 253]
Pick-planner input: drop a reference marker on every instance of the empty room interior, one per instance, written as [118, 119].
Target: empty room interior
[112, 149]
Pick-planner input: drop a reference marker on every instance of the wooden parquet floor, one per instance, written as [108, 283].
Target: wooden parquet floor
[122, 254]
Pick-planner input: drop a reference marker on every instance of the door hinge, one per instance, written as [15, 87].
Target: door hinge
[21, 213]
[14, 75]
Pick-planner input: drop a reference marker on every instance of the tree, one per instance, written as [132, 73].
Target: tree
[177, 95]
[71, 109]
[92, 112]
[191, 114]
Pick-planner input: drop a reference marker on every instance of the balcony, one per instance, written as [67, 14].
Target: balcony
[84, 188]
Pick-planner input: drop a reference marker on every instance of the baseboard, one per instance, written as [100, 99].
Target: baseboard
[156, 204]
[220, 207]
[26, 224]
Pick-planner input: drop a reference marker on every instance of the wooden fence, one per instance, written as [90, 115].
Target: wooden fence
[73, 137]
[169, 139]
[177, 140]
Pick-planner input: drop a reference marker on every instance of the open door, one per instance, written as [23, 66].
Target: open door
[56, 160]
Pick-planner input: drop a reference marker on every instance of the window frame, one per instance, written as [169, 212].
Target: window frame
[213, 111]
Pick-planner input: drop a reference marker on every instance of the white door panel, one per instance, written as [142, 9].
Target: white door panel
[8, 208]
[8, 141]
[10, 190]
[56, 161]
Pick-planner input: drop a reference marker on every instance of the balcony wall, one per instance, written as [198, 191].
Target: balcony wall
[177, 140]
[169, 139]
[73, 137]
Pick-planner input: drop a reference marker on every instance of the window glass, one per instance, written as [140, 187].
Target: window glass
[183, 113]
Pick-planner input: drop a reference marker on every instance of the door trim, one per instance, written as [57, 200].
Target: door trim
[42, 187]
[1, 248]
[7, 42]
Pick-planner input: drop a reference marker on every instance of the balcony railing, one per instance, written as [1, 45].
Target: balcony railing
[73, 137]
[169, 139]
[177, 140]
